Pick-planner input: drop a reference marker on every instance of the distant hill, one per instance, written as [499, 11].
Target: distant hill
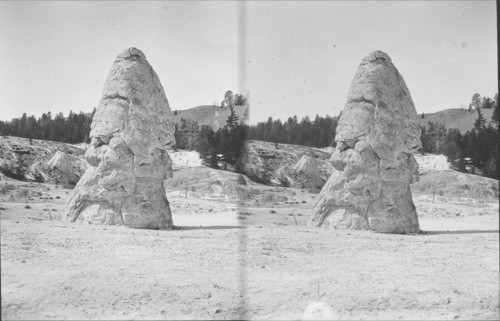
[455, 118]
[211, 115]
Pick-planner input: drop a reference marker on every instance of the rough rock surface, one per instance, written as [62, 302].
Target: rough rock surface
[130, 133]
[61, 169]
[208, 183]
[264, 162]
[22, 160]
[311, 173]
[376, 137]
[451, 183]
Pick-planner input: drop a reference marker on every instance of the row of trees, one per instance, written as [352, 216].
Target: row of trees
[225, 144]
[215, 146]
[317, 133]
[477, 148]
[72, 129]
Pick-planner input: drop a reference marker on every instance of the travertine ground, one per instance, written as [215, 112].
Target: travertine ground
[253, 264]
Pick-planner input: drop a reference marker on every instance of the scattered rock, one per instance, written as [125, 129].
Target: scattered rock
[130, 133]
[376, 137]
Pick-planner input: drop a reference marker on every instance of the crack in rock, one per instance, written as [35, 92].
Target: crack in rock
[117, 96]
[391, 208]
[362, 100]
[121, 169]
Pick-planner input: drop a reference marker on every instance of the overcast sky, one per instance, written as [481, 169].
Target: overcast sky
[56, 55]
[300, 57]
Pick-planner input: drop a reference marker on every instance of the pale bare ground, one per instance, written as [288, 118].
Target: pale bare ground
[250, 261]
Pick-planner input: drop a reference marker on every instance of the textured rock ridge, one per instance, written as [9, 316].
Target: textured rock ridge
[310, 173]
[130, 133]
[61, 169]
[285, 165]
[41, 160]
[373, 161]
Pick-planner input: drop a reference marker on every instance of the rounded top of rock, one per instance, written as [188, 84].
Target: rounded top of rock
[131, 52]
[379, 110]
[376, 56]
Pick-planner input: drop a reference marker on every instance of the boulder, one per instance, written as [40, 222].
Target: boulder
[373, 161]
[61, 170]
[130, 133]
[310, 173]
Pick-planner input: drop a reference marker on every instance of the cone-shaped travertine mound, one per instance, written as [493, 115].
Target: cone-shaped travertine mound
[376, 137]
[130, 133]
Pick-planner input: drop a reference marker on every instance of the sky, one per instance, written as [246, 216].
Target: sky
[55, 56]
[289, 57]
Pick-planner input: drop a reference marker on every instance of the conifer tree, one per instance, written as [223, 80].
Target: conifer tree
[480, 122]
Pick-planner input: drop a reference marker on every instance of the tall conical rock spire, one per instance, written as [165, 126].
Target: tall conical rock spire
[130, 133]
[376, 137]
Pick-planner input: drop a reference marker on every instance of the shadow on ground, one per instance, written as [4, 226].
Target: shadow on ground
[462, 232]
[210, 227]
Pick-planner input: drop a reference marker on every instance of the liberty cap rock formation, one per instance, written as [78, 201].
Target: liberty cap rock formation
[128, 158]
[376, 137]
